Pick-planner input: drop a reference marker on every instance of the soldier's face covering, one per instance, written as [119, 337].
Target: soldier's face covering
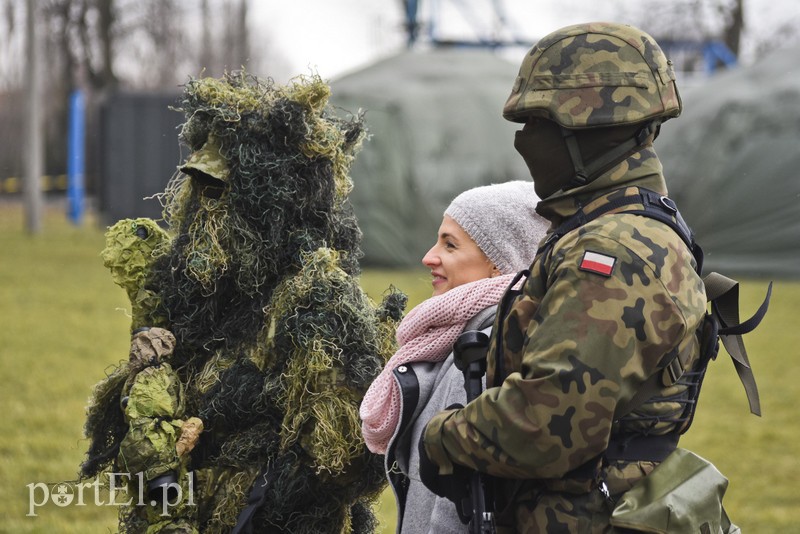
[456, 259]
[541, 146]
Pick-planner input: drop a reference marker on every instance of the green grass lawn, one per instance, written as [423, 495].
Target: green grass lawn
[64, 322]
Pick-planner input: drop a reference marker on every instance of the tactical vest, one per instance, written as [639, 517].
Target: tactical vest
[720, 323]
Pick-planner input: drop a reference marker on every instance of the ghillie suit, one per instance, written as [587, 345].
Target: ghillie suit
[261, 338]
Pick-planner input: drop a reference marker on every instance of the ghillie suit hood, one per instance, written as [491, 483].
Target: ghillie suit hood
[266, 183]
[275, 342]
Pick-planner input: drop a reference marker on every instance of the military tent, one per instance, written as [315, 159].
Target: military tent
[436, 129]
[731, 161]
[434, 115]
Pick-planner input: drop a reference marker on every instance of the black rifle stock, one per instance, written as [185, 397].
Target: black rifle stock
[469, 353]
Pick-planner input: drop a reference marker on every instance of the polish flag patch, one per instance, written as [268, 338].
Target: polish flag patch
[594, 262]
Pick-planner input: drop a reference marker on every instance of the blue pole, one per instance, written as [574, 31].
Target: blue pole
[75, 157]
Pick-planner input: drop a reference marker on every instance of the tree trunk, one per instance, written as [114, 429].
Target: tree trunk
[243, 44]
[107, 78]
[733, 31]
[206, 48]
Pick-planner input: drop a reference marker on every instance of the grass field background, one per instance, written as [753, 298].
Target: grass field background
[62, 323]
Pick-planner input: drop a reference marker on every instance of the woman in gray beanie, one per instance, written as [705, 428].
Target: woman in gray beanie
[487, 235]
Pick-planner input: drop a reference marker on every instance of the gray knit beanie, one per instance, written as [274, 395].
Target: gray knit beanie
[502, 220]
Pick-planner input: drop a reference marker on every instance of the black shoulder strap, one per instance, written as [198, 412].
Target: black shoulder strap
[655, 206]
[255, 500]
[503, 309]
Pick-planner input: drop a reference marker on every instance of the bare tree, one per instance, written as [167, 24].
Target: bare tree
[80, 39]
[156, 44]
[11, 43]
[99, 46]
[732, 33]
[235, 46]
[103, 76]
[687, 28]
[206, 48]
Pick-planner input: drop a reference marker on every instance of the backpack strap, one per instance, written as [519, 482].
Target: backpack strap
[255, 500]
[482, 319]
[655, 206]
[503, 308]
[723, 294]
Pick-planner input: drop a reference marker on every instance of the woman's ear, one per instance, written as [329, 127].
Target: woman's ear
[495, 271]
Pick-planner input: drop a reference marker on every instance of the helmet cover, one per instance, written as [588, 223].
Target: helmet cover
[595, 75]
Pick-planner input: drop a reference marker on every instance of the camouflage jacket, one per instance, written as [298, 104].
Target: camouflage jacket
[594, 320]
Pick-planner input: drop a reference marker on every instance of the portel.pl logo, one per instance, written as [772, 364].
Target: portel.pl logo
[164, 493]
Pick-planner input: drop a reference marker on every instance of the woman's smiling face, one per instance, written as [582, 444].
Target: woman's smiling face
[455, 259]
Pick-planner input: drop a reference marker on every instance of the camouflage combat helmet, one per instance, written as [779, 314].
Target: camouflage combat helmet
[207, 168]
[208, 160]
[595, 75]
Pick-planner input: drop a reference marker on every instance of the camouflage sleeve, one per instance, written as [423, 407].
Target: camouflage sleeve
[591, 342]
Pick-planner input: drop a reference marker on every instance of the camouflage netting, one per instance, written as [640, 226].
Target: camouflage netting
[249, 327]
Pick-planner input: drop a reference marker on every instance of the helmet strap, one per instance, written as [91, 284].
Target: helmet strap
[587, 172]
[581, 177]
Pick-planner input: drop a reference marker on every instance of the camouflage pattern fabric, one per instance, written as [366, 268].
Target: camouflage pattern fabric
[575, 344]
[131, 248]
[154, 405]
[208, 160]
[594, 75]
[261, 341]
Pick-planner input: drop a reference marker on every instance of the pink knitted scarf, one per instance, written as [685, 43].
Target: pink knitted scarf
[426, 334]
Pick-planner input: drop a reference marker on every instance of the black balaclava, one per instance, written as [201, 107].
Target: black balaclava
[542, 145]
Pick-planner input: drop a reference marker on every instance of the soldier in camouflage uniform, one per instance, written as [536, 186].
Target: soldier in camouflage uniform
[603, 308]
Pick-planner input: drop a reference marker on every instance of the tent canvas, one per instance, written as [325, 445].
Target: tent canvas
[731, 163]
[435, 118]
[436, 129]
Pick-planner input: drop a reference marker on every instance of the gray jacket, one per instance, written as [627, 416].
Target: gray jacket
[426, 388]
